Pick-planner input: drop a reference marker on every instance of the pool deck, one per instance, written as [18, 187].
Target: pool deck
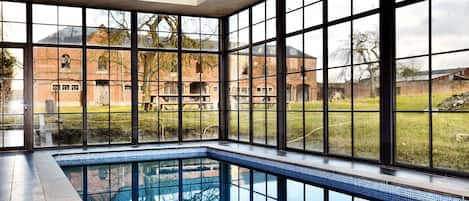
[36, 176]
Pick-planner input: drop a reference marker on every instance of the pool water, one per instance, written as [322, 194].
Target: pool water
[200, 179]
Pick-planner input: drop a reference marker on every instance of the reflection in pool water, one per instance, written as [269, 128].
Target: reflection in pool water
[200, 179]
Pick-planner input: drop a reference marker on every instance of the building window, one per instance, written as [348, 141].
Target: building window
[55, 87]
[65, 60]
[102, 63]
[198, 67]
[75, 87]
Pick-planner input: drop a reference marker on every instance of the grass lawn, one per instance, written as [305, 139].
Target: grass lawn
[412, 128]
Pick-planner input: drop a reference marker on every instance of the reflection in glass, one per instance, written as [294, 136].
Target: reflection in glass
[192, 179]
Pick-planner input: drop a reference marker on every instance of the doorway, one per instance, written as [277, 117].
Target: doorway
[12, 98]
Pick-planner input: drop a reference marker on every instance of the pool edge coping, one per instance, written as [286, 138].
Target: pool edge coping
[47, 159]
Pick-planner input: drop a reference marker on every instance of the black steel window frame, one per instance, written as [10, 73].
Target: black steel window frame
[387, 68]
[29, 45]
[249, 47]
[27, 74]
[430, 112]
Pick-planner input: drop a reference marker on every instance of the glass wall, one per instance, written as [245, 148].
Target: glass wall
[432, 84]
[158, 77]
[253, 75]
[57, 75]
[347, 75]
[108, 73]
[200, 78]
[83, 76]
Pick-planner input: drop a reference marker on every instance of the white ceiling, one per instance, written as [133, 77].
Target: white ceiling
[214, 8]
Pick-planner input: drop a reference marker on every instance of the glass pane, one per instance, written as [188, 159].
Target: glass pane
[97, 18]
[147, 66]
[71, 129]
[45, 34]
[233, 125]
[366, 133]
[313, 50]
[46, 95]
[271, 9]
[209, 26]
[46, 131]
[313, 15]
[190, 24]
[340, 133]
[120, 65]
[13, 11]
[412, 85]
[210, 65]
[191, 125]
[449, 81]
[338, 9]
[258, 13]
[121, 127]
[259, 126]
[209, 42]
[70, 64]
[45, 14]
[339, 89]
[14, 32]
[412, 138]
[294, 21]
[168, 64]
[339, 45]
[209, 123]
[169, 126]
[148, 127]
[258, 31]
[70, 35]
[295, 53]
[97, 36]
[366, 87]
[244, 126]
[448, 25]
[312, 90]
[258, 61]
[450, 149]
[119, 19]
[243, 19]
[271, 128]
[412, 30]
[13, 133]
[366, 39]
[98, 128]
[71, 16]
[360, 6]
[295, 130]
[314, 131]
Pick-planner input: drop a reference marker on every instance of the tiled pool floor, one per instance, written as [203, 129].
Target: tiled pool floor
[30, 176]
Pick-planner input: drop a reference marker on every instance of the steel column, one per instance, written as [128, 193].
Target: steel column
[134, 75]
[281, 78]
[223, 80]
[387, 77]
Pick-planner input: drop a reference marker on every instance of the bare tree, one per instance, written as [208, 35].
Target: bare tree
[365, 50]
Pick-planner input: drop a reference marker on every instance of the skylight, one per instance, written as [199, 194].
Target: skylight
[178, 2]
